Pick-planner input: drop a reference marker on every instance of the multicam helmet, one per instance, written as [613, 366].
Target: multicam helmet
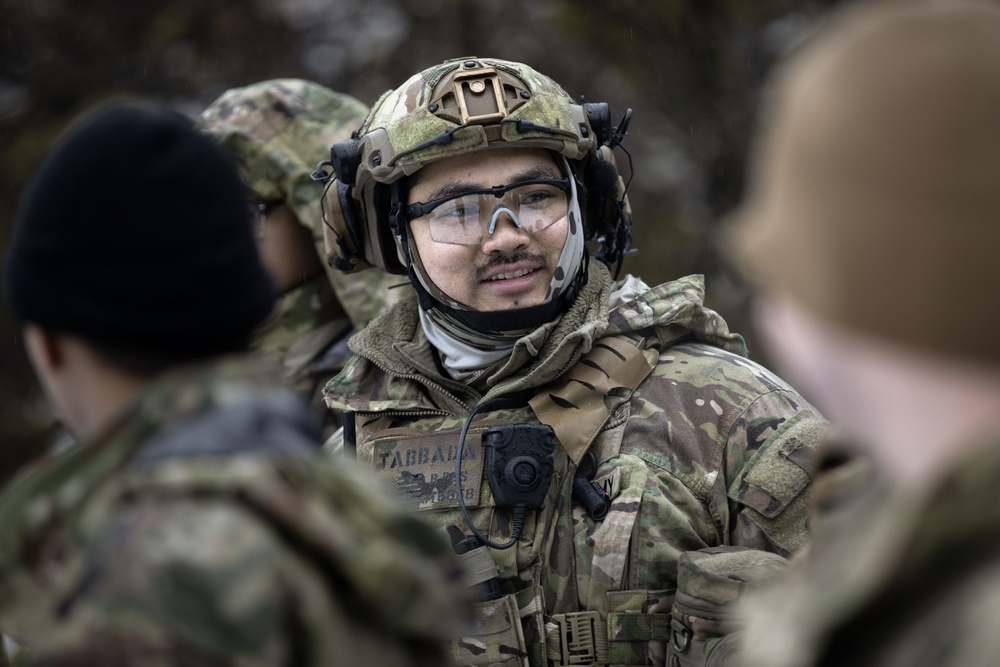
[459, 107]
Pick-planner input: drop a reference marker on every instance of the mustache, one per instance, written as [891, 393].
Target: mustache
[496, 261]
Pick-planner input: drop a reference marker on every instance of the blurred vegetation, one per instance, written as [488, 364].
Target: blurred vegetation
[691, 69]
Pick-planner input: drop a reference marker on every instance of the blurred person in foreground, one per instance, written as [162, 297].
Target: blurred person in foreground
[871, 224]
[193, 523]
[629, 431]
[279, 131]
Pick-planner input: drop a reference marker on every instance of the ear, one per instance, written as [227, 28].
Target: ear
[45, 349]
[57, 365]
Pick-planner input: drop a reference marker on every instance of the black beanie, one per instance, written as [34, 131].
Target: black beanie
[134, 231]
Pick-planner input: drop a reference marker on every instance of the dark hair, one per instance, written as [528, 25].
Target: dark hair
[146, 363]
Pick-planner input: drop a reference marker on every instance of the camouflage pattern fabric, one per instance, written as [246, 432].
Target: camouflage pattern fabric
[305, 322]
[279, 131]
[903, 577]
[705, 625]
[710, 449]
[201, 528]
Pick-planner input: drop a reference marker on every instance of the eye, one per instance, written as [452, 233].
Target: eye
[538, 196]
[456, 210]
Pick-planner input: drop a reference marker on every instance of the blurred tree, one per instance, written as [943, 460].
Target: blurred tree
[691, 69]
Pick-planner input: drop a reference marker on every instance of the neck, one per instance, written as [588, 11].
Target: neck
[915, 411]
[921, 414]
[94, 393]
[107, 397]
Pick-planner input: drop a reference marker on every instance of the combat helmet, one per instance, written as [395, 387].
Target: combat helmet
[459, 107]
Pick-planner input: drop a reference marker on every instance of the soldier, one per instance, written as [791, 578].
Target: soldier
[278, 131]
[629, 426]
[871, 227]
[196, 522]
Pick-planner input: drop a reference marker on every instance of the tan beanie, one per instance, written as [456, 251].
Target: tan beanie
[874, 192]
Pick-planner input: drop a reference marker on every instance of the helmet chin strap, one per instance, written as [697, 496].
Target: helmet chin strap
[510, 323]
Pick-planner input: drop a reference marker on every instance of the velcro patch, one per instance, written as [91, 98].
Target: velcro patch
[421, 467]
[781, 469]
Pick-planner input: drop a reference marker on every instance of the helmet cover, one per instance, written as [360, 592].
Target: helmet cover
[278, 131]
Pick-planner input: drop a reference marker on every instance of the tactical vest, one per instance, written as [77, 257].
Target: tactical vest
[591, 399]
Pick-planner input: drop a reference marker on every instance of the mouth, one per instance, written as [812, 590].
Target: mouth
[509, 275]
[516, 275]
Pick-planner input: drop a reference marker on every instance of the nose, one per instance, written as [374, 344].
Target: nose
[504, 234]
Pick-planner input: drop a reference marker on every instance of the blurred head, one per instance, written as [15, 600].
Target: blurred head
[870, 226]
[133, 235]
[278, 131]
[872, 201]
[482, 180]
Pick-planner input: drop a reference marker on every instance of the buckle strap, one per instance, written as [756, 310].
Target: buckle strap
[576, 639]
[583, 638]
[632, 626]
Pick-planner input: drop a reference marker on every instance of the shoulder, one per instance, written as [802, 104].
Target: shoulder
[173, 569]
[244, 541]
[715, 399]
[852, 580]
[162, 535]
[382, 374]
[728, 426]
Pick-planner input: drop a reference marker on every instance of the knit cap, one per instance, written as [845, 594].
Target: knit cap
[135, 231]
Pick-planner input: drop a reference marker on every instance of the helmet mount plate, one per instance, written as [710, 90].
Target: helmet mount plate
[476, 97]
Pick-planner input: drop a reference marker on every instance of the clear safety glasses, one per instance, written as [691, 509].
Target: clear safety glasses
[467, 217]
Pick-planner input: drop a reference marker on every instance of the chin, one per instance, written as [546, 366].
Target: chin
[509, 305]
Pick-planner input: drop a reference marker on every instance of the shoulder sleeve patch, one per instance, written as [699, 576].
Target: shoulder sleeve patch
[782, 467]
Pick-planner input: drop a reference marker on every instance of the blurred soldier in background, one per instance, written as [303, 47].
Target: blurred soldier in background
[278, 131]
[194, 523]
[872, 224]
[629, 429]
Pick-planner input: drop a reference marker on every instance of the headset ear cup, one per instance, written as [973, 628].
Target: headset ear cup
[608, 211]
[389, 253]
[341, 229]
[599, 117]
[618, 194]
[603, 187]
[345, 156]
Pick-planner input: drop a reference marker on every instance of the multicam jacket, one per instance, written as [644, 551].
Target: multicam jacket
[203, 528]
[902, 577]
[709, 449]
[307, 332]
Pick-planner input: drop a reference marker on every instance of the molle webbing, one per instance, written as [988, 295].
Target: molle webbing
[579, 403]
[577, 407]
[583, 638]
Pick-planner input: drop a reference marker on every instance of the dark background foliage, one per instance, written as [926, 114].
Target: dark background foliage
[691, 70]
